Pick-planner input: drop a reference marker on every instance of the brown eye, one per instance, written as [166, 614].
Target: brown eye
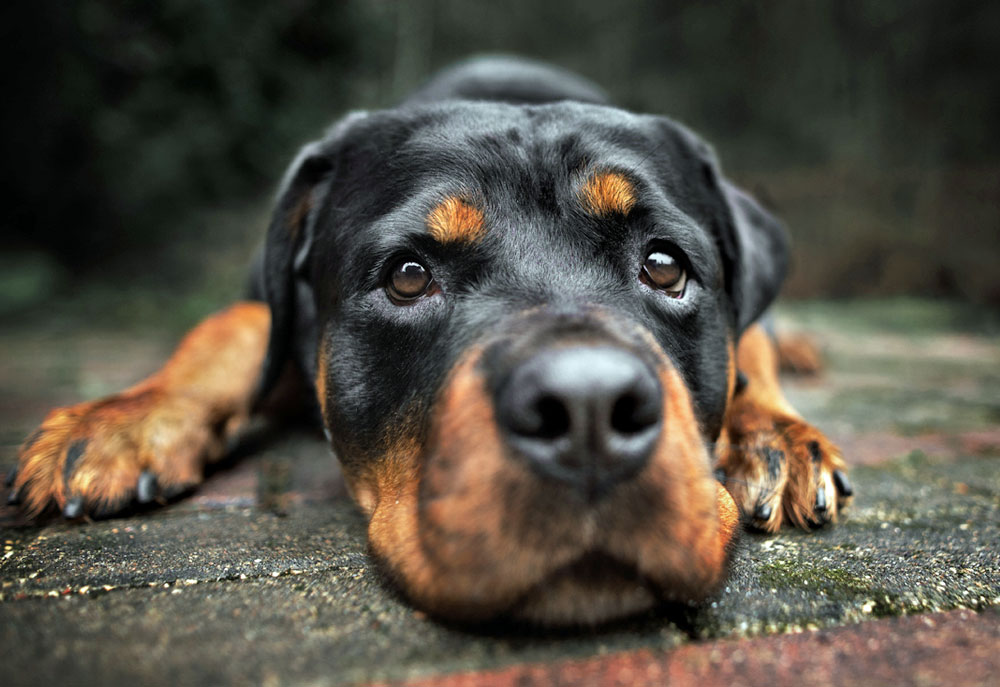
[408, 281]
[662, 271]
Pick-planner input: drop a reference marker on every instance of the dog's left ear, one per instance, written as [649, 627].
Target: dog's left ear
[762, 252]
[752, 242]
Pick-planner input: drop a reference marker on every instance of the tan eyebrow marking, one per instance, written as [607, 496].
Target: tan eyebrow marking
[607, 194]
[455, 219]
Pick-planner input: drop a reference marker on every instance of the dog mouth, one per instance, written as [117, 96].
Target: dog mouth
[589, 590]
[511, 510]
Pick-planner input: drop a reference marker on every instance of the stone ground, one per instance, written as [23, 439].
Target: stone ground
[262, 577]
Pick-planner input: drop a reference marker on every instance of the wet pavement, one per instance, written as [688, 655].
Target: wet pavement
[262, 577]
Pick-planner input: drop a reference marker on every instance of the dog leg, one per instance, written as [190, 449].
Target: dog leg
[798, 354]
[154, 438]
[777, 466]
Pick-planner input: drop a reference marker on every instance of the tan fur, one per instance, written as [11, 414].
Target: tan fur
[607, 194]
[681, 540]
[170, 423]
[468, 530]
[322, 367]
[759, 420]
[456, 220]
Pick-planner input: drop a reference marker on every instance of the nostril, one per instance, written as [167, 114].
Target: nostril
[629, 415]
[553, 418]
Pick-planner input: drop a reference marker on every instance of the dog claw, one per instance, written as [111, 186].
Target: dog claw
[11, 476]
[741, 383]
[14, 497]
[843, 485]
[821, 500]
[73, 508]
[763, 512]
[146, 487]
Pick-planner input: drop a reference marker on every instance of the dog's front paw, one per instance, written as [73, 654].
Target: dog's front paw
[99, 457]
[782, 469]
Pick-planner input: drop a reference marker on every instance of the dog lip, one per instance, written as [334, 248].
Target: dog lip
[596, 566]
[593, 588]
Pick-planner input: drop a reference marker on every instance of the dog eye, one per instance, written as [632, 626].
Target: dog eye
[663, 272]
[408, 281]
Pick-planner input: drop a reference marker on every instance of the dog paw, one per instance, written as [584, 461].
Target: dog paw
[788, 472]
[100, 457]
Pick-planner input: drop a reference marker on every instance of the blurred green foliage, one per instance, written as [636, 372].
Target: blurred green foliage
[870, 124]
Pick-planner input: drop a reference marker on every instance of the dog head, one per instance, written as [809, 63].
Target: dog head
[520, 325]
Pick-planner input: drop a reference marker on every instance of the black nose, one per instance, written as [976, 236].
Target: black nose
[588, 416]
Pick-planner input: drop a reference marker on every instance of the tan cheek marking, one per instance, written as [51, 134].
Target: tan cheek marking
[723, 440]
[455, 219]
[700, 520]
[321, 372]
[390, 477]
[729, 517]
[443, 518]
[607, 194]
[297, 215]
[730, 371]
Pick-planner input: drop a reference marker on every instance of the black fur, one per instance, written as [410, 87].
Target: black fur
[518, 136]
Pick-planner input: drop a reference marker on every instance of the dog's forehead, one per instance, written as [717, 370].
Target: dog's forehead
[471, 119]
[495, 141]
[449, 165]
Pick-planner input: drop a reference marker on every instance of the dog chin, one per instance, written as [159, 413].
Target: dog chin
[593, 589]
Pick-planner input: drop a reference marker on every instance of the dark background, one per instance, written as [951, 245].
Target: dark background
[143, 141]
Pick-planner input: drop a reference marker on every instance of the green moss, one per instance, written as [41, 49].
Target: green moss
[835, 582]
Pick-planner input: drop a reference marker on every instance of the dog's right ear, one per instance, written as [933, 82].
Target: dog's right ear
[287, 250]
[284, 277]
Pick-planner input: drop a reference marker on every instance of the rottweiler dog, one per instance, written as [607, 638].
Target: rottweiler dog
[532, 324]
